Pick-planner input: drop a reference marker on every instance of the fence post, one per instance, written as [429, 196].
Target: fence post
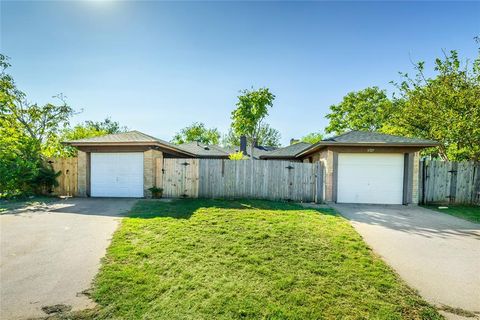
[319, 183]
[453, 182]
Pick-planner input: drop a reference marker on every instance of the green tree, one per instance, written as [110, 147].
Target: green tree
[56, 148]
[267, 136]
[252, 108]
[24, 130]
[365, 110]
[197, 131]
[108, 126]
[312, 138]
[445, 108]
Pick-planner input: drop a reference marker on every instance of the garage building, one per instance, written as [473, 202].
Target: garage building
[369, 167]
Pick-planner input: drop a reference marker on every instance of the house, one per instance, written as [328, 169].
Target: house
[369, 167]
[359, 167]
[124, 164]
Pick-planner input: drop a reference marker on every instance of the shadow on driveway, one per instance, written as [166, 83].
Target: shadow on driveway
[437, 254]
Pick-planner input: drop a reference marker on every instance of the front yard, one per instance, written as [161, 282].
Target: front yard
[205, 259]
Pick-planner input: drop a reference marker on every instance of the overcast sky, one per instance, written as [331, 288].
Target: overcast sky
[159, 66]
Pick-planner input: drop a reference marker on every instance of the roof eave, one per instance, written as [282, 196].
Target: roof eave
[324, 144]
[132, 143]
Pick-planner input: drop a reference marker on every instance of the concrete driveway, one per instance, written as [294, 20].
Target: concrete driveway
[437, 254]
[50, 254]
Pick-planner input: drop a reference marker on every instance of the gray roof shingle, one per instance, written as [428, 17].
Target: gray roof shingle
[287, 152]
[375, 137]
[130, 137]
[365, 138]
[203, 150]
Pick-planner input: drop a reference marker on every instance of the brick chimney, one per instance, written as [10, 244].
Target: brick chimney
[243, 144]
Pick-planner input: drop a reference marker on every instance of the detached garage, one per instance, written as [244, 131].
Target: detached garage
[121, 165]
[369, 167]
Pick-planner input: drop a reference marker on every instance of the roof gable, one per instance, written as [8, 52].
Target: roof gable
[127, 138]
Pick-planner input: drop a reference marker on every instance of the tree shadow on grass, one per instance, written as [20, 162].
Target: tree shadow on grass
[185, 208]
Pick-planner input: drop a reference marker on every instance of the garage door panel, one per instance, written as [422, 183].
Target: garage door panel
[116, 174]
[370, 178]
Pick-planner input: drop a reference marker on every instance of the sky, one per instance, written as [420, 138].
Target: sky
[157, 67]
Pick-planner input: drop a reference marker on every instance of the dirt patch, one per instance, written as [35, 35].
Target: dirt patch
[56, 308]
[458, 311]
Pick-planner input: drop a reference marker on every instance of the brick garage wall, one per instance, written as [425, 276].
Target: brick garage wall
[149, 163]
[82, 174]
[415, 179]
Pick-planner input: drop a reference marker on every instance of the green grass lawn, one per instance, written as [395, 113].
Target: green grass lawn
[206, 259]
[470, 213]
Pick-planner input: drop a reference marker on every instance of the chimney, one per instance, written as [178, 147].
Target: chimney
[293, 141]
[243, 144]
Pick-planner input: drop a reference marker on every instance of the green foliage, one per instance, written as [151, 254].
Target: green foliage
[24, 130]
[156, 192]
[236, 156]
[365, 110]
[445, 108]
[312, 138]
[267, 136]
[88, 129]
[108, 126]
[252, 108]
[197, 132]
[210, 259]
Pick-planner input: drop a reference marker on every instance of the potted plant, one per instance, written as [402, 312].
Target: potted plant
[156, 192]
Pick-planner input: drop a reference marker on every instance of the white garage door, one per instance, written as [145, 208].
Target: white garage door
[116, 174]
[370, 178]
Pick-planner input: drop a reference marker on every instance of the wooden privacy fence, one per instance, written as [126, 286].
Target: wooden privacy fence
[215, 178]
[67, 179]
[449, 182]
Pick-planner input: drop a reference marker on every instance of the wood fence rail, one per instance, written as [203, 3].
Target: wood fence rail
[449, 182]
[229, 179]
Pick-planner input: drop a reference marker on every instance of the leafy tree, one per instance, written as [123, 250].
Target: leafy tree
[197, 131]
[108, 126]
[88, 129]
[365, 110]
[445, 108]
[252, 108]
[312, 138]
[24, 130]
[267, 136]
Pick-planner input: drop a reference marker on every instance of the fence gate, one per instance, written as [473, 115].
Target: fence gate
[180, 178]
[67, 180]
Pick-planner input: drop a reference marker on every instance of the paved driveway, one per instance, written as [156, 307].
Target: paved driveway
[50, 255]
[437, 254]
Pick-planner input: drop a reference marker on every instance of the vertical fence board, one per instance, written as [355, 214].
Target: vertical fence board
[449, 182]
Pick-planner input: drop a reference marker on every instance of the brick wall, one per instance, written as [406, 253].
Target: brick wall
[149, 161]
[82, 174]
[415, 180]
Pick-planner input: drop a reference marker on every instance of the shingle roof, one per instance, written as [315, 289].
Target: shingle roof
[203, 150]
[288, 151]
[376, 137]
[356, 138]
[130, 137]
